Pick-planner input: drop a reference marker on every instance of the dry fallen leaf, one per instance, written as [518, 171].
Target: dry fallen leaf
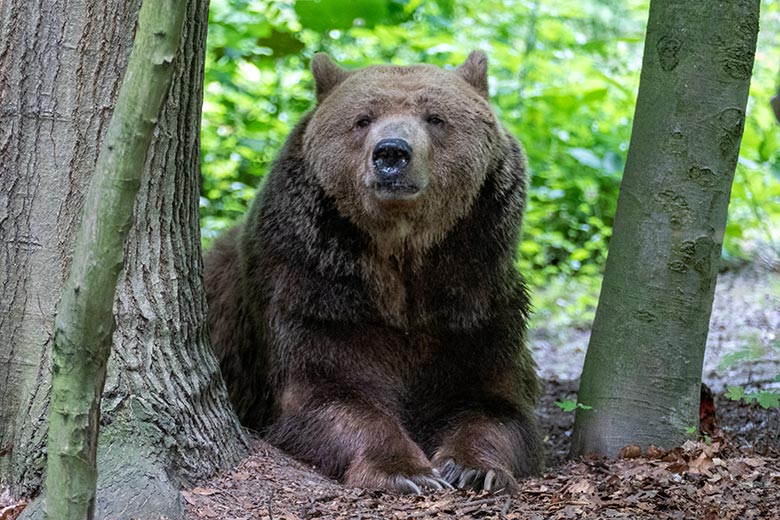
[189, 498]
[242, 476]
[701, 465]
[630, 452]
[12, 512]
[654, 452]
[581, 486]
[677, 467]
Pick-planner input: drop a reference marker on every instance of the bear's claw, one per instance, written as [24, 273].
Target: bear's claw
[417, 484]
[494, 480]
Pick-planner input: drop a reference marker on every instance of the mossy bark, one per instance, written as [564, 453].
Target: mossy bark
[642, 371]
[84, 322]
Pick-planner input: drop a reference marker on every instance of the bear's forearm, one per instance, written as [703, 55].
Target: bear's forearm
[348, 436]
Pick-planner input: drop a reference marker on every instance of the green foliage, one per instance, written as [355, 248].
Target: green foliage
[563, 79]
[328, 15]
[570, 405]
[764, 398]
[565, 302]
[693, 433]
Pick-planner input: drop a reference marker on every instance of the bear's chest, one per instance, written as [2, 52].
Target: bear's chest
[387, 280]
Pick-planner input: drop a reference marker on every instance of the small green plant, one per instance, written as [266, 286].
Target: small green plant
[693, 432]
[765, 398]
[569, 405]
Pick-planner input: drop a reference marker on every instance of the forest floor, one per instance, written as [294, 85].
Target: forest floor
[736, 475]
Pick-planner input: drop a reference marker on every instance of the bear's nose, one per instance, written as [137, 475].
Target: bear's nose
[391, 156]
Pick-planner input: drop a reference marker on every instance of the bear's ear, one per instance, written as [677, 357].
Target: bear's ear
[327, 75]
[474, 71]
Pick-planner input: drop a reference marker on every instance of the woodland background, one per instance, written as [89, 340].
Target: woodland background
[563, 78]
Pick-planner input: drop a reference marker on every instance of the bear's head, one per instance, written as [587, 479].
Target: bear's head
[403, 151]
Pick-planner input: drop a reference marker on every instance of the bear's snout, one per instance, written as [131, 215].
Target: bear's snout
[397, 170]
[390, 158]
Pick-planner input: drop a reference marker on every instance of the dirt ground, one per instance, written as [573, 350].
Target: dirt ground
[736, 475]
[723, 480]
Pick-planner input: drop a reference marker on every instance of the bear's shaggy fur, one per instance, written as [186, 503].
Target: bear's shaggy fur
[367, 315]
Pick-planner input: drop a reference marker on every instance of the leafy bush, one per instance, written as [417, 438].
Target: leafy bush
[564, 78]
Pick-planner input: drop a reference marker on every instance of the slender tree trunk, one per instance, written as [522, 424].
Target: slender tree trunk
[775, 102]
[166, 416]
[84, 322]
[642, 372]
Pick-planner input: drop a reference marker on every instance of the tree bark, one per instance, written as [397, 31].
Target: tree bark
[642, 372]
[61, 64]
[58, 77]
[164, 385]
[775, 103]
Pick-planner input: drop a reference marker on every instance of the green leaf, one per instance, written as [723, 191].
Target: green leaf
[735, 393]
[281, 43]
[580, 254]
[752, 350]
[768, 399]
[325, 15]
[568, 405]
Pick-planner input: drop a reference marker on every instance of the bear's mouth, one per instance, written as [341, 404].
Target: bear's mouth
[395, 189]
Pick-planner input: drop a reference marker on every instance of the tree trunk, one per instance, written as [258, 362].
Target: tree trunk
[775, 102]
[642, 372]
[60, 70]
[58, 78]
[84, 321]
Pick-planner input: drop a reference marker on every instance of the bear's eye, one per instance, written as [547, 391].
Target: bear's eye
[433, 119]
[363, 121]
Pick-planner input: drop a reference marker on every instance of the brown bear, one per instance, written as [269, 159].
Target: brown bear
[368, 315]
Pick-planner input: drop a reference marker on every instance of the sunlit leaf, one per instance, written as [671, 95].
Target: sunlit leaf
[325, 15]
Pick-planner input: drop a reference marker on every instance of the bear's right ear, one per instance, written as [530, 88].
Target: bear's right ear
[327, 75]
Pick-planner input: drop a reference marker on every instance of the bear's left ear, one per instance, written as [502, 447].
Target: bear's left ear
[474, 71]
[327, 75]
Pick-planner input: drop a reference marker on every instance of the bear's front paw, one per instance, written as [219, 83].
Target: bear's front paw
[414, 481]
[495, 480]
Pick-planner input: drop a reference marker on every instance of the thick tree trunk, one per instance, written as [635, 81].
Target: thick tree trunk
[58, 77]
[60, 68]
[642, 372]
[162, 370]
